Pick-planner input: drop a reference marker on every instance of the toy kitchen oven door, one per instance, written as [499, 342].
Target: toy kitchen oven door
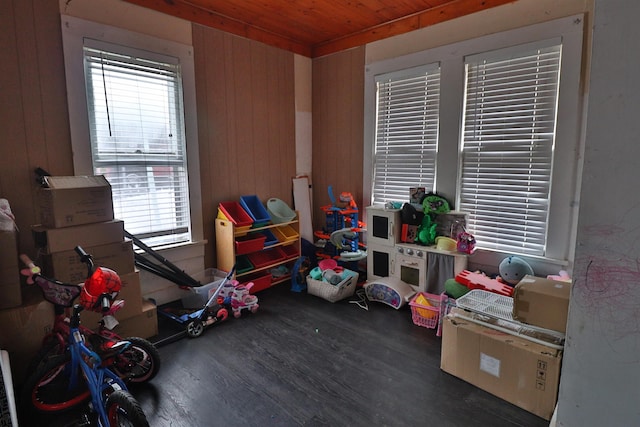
[383, 226]
[410, 266]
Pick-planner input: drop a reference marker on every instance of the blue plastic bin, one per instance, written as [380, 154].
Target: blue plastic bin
[271, 238]
[256, 210]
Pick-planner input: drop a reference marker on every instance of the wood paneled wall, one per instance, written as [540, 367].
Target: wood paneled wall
[246, 115]
[33, 106]
[338, 128]
[246, 122]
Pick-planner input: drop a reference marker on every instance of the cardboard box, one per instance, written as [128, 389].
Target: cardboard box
[65, 239]
[130, 292]
[67, 267]
[23, 329]
[519, 371]
[75, 200]
[144, 325]
[10, 294]
[542, 302]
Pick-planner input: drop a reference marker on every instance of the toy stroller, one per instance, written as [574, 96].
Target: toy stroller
[213, 312]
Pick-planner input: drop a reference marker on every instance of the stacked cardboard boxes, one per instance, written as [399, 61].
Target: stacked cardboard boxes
[78, 211]
[518, 370]
[521, 371]
[23, 329]
[9, 270]
[542, 302]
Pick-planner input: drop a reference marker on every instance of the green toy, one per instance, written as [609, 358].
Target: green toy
[455, 289]
[434, 204]
[427, 231]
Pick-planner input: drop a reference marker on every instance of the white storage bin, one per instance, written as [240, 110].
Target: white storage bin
[197, 297]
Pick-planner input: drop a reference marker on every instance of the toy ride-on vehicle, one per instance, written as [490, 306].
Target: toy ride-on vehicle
[238, 298]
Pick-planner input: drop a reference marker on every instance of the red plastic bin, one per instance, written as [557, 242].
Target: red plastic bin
[266, 257]
[250, 243]
[233, 211]
[290, 251]
[261, 281]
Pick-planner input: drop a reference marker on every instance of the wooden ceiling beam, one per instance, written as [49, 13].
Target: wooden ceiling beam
[413, 22]
[210, 19]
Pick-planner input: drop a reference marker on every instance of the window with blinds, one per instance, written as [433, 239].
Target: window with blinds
[138, 139]
[406, 135]
[508, 144]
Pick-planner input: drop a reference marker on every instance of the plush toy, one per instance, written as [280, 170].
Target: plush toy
[513, 269]
[562, 276]
[434, 204]
[427, 231]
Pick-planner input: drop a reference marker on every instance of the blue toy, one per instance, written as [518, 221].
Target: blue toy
[299, 274]
[513, 269]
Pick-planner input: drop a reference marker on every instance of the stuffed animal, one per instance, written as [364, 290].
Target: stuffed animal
[513, 269]
[427, 231]
[435, 204]
[563, 276]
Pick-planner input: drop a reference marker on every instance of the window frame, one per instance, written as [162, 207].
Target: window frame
[74, 31]
[562, 230]
[427, 76]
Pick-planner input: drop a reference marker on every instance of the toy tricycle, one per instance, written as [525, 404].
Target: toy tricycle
[238, 297]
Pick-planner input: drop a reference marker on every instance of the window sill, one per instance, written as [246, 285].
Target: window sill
[489, 261]
[179, 251]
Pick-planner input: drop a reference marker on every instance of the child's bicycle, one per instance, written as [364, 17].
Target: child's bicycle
[59, 384]
[139, 363]
[137, 360]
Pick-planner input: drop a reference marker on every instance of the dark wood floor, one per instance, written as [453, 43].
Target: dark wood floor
[301, 360]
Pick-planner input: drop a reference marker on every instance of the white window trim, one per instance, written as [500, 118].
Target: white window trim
[74, 30]
[569, 149]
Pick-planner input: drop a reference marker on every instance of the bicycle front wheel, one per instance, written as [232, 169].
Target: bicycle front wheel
[124, 410]
[49, 389]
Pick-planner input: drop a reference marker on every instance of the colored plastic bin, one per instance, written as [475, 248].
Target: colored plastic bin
[291, 251]
[256, 210]
[261, 281]
[271, 239]
[243, 264]
[252, 242]
[266, 257]
[233, 211]
[286, 233]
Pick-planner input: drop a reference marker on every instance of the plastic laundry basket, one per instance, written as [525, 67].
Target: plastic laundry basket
[280, 212]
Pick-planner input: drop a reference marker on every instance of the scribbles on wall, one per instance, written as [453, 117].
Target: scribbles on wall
[607, 288]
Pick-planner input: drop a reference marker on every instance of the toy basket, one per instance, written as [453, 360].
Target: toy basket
[426, 315]
[333, 293]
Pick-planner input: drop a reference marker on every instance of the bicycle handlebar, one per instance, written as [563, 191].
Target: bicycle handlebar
[84, 257]
[34, 269]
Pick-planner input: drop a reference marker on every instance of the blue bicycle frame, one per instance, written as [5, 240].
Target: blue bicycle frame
[99, 378]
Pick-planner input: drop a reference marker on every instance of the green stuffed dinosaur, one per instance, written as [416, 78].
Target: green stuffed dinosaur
[427, 231]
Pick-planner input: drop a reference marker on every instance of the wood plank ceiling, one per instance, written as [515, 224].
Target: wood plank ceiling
[316, 28]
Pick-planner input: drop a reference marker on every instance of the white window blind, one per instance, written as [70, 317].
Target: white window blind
[138, 139]
[508, 145]
[406, 139]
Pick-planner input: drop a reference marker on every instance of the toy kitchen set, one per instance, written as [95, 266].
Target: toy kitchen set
[395, 248]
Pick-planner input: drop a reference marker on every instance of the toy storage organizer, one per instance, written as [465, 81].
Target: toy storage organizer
[263, 254]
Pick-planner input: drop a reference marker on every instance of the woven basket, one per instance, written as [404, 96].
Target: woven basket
[333, 293]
